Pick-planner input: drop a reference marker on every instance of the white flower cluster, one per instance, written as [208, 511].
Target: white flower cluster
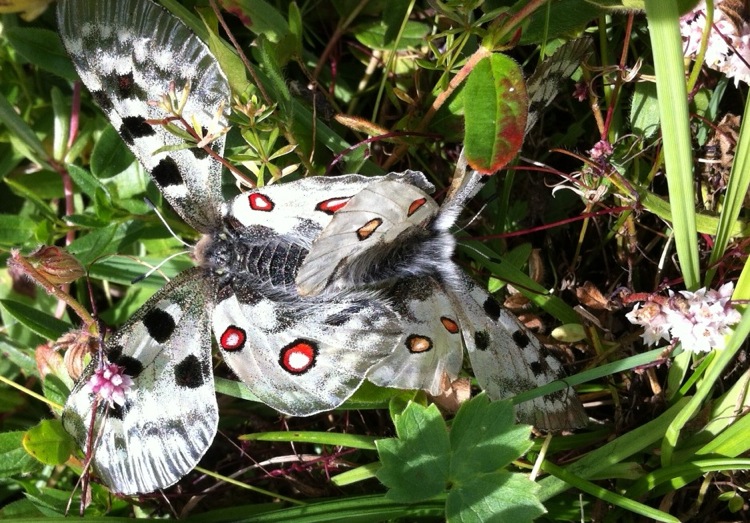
[699, 319]
[110, 383]
[728, 49]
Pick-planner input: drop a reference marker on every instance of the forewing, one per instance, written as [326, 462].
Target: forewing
[302, 355]
[373, 229]
[127, 54]
[302, 208]
[170, 415]
[507, 359]
[431, 344]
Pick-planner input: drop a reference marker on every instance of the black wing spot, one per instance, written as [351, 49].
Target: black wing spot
[167, 173]
[521, 338]
[159, 324]
[117, 411]
[188, 373]
[492, 308]
[481, 340]
[102, 100]
[132, 367]
[135, 127]
[537, 368]
[128, 88]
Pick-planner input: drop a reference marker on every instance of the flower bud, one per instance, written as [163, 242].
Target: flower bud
[56, 265]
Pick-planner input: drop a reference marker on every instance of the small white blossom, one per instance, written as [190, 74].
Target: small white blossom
[110, 383]
[728, 49]
[700, 319]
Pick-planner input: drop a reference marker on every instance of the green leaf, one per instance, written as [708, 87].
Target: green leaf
[415, 465]
[85, 181]
[39, 322]
[379, 35]
[110, 155]
[644, 111]
[492, 424]
[499, 496]
[20, 130]
[55, 389]
[468, 461]
[495, 108]
[49, 443]
[13, 458]
[558, 19]
[43, 48]
[15, 230]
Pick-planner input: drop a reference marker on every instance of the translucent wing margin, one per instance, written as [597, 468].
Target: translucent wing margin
[127, 54]
[169, 417]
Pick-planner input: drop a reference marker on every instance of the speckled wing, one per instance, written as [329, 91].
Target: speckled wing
[301, 356]
[431, 345]
[373, 238]
[169, 417]
[301, 209]
[507, 359]
[127, 54]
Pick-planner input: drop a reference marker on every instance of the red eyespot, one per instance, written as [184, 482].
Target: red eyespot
[260, 202]
[233, 339]
[298, 357]
[450, 325]
[416, 204]
[332, 205]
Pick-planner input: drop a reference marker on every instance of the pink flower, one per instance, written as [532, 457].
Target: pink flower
[110, 383]
[699, 320]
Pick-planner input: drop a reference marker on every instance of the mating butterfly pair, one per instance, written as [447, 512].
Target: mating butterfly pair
[309, 287]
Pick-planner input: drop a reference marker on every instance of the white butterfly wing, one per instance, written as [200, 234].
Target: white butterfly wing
[302, 356]
[507, 359]
[302, 208]
[431, 345]
[127, 54]
[370, 239]
[170, 415]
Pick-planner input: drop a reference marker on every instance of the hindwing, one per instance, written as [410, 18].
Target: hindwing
[169, 416]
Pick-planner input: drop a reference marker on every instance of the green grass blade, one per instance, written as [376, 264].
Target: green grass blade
[664, 30]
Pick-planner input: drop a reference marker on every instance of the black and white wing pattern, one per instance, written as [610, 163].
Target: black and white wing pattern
[168, 416]
[544, 84]
[128, 53]
[393, 237]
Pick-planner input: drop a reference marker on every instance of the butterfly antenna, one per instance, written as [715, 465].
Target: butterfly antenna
[163, 221]
[157, 267]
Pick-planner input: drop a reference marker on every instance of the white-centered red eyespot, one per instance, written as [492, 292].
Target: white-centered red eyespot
[332, 205]
[233, 339]
[260, 202]
[299, 356]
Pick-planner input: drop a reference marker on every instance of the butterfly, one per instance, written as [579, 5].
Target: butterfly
[308, 287]
[287, 347]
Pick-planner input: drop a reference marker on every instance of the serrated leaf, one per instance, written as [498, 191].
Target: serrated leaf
[13, 458]
[415, 465]
[43, 324]
[499, 496]
[48, 442]
[110, 155]
[495, 109]
[15, 230]
[493, 425]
